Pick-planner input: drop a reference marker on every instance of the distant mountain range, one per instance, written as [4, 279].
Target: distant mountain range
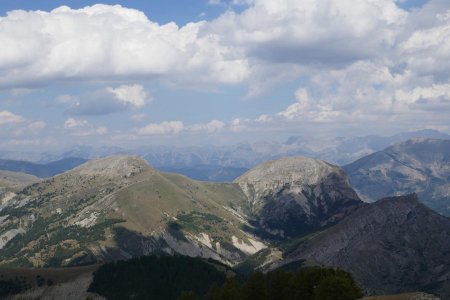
[41, 170]
[418, 165]
[225, 163]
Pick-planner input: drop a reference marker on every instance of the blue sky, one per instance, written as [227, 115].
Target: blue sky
[133, 73]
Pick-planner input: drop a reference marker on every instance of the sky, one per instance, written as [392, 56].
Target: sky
[132, 73]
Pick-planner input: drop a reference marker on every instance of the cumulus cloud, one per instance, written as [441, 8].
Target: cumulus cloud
[230, 2]
[82, 128]
[32, 142]
[94, 131]
[107, 100]
[7, 117]
[133, 95]
[369, 93]
[105, 41]
[33, 128]
[74, 123]
[313, 32]
[38, 125]
[352, 61]
[171, 127]
[210, 127]
[175, 127]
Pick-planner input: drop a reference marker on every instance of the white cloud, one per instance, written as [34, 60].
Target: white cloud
[31, 142]
[30, 128]
[210, 127]
[133, 95]
[17, 92]
[82, 128]
[38, 125]
[95, 131]
[7, 117]
[230, 2]
[138, 117]
[67, 99]
[74, 123]
[353, 62]
[106, 100]
[367, 94]
[104, 41]
[313, 31]
[238, 125]
[299, 108]
[171, 127]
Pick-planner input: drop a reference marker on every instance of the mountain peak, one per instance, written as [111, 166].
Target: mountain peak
[287, 169]
[113, 166]
[292, 195]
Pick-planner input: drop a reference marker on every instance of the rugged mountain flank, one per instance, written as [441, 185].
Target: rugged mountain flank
[119, 207]
[295, 195]
[419, 166]
[391, 246]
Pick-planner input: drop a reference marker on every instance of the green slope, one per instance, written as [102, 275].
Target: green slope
[120, 207]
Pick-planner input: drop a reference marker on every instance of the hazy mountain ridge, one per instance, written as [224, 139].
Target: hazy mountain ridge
[419, 166]
[225, 163]
[41, 170]
[390, 246]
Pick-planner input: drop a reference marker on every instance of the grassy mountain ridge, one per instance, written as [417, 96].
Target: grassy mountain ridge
[81, 216]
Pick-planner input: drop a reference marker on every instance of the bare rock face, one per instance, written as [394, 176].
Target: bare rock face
[391, 246]
[294, 195]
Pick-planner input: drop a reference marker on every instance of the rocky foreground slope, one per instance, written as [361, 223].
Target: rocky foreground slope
[419, 166]
[118, 207]
[391, 246]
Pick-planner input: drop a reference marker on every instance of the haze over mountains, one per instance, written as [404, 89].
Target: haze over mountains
[41, 170]
[225, 163]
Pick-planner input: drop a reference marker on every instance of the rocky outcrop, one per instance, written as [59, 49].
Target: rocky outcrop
[391, 246]
[294, 195]
[419, 166]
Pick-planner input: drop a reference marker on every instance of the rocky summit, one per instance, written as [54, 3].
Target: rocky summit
[390, 246]
[295, 195]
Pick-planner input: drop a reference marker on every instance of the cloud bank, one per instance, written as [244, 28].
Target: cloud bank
[353, 62]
